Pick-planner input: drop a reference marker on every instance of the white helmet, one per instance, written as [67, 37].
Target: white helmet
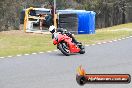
[52, 29]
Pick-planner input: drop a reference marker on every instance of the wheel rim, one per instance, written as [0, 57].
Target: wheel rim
[64, 46]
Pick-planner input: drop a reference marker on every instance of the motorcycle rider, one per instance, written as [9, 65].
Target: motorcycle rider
[52, 30]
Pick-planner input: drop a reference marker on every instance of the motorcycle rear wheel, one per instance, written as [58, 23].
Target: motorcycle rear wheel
[82, 51]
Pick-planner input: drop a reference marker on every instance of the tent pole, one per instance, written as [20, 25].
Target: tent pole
[55, 15]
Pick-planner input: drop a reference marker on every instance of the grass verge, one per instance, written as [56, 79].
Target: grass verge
[17, 42]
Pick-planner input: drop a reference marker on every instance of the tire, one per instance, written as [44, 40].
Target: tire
[62, 48]
[68, 25]
[82, 51]
[58, 47]
[71, 27]
[81, 80]
[69, 22]
[67, 15]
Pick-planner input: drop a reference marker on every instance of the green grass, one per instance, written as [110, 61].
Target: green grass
[17, 42]
[21, 43]
[106, 34]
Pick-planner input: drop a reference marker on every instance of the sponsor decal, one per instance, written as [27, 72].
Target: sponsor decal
[83, 78]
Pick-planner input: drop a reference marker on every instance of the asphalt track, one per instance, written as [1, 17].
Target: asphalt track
[53, 70]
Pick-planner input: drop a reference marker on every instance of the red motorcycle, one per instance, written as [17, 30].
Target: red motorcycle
[66, 46]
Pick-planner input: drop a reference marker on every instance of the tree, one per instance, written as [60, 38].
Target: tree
[108, 12]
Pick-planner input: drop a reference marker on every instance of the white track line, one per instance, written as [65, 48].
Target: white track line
[127, 37]
[119, 39]
[41, 52]
[99, 43]
[114, 40]
[55, 50]
[85, 45]
[123, 38]
[110, 41]
[104, 42]
[9, 56]
[26, 54]
[93, 44]
[2, 57]
[19, 55]
[49, 51]
[34, 53]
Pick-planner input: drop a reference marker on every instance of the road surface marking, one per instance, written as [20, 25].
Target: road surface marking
[9, 56]
[49, 51]
[34, 53]
[41, 52]
[26, 54]
[19, 55]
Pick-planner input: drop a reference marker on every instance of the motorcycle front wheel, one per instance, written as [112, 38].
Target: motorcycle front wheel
[64, 48]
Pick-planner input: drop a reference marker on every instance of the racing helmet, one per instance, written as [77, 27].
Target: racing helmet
[52, 29]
